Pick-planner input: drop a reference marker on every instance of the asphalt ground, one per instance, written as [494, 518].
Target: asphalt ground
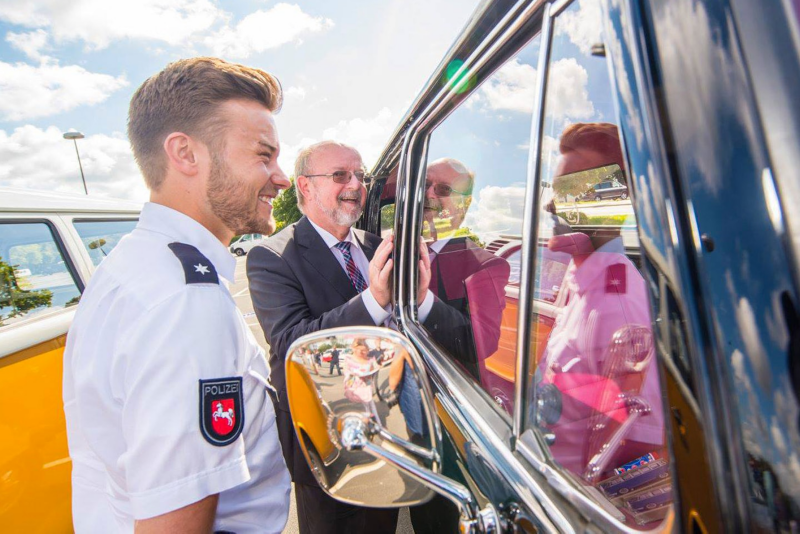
[241, 295]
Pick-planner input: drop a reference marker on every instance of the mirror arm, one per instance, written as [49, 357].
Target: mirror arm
[354, 437]
[426, 454]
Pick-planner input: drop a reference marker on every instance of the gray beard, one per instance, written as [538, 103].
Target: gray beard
[337, 215]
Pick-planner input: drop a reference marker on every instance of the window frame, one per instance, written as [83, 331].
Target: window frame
[530, 444]
[71, 221]
[489, 427]
[58, 240]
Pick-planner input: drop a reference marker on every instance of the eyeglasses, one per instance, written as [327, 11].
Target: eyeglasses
[343, 177]
[444, 190]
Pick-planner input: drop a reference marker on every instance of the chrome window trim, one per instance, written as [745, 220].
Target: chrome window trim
[530, 223]
[454, 383]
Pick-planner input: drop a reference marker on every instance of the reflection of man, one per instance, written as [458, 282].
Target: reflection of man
[315, 274]
[601, 300]
[335, 361]
[169, 424]
[470, 280]
[469, 288]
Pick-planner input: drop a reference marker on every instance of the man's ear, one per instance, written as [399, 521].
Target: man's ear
[183, 153]
[302, 183]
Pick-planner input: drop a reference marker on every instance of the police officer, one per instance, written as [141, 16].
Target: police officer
[168, 419]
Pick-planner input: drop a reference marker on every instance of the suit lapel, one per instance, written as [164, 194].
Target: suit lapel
[321, 258]
[366, 246]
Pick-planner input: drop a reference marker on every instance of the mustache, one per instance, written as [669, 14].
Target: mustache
[432, 204]
[350, 195]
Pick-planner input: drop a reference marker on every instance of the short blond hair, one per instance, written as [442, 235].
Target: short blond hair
[184, 97]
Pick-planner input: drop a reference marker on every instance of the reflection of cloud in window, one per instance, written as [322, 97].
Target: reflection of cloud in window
[496, 210]
[512, 88]
[581, 25]
[567, 96]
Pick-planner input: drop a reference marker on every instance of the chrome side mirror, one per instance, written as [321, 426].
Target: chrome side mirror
[363, 415]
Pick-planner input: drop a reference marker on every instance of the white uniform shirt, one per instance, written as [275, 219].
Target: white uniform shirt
[142, 341]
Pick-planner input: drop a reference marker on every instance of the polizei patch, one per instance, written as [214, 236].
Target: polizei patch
[221, 410]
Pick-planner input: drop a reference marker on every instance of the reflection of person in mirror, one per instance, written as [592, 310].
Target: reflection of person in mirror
[359, 371]
[466, 278]
[335, 361]
[403, 382]
[590, 358]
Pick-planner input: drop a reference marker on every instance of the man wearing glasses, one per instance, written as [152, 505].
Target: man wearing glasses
[315, 274]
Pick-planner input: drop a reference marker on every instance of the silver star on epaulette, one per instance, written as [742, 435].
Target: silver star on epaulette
[200, 268]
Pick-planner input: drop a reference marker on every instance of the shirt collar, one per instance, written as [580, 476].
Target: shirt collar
[330, 239]
[183, 229]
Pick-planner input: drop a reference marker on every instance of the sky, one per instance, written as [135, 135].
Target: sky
[349, 69]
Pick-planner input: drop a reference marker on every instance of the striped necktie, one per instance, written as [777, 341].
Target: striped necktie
[350, 266]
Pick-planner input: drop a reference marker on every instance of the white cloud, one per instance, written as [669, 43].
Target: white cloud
[513, 88]
[263, 30]
[34, 158]
[294, 94]
[496, 210]
[28, 92]
[30, 43]
[567, 96]
[99, 22]
[368, 136]
[582, 26]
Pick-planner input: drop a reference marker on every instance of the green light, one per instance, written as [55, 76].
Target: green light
[460, 82]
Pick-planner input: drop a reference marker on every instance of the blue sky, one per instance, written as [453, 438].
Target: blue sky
[349, 69]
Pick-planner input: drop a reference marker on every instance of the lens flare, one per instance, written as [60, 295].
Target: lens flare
[460, 82]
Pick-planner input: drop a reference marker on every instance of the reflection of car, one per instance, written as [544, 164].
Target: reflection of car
[605, 190]
[46, 239]
[243, 244]
[703, 99]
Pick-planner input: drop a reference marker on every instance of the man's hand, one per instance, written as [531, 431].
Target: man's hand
[380, 272]
[424, 275]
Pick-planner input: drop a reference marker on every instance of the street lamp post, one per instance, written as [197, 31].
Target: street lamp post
[75, 135]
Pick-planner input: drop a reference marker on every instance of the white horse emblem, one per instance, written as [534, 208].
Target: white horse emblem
[220, 414]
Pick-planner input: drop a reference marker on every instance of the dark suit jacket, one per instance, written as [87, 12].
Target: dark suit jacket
[467, 317]
[298, 286]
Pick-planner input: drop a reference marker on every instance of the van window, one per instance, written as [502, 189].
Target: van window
[100, 237]
[593, 392]
[476, 179]
[34, 275]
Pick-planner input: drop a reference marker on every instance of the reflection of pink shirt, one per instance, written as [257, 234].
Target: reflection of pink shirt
[358, 379]
[597, 299]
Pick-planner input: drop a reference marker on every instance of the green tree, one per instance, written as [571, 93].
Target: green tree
[284, 208]
[17, 299]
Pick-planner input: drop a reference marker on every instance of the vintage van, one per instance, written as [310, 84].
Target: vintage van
[50, 244]
[632, 366]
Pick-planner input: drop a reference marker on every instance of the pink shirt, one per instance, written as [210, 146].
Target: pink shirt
[599, 298]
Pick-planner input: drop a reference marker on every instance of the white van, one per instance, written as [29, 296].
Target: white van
[242, 245]
[50, 244]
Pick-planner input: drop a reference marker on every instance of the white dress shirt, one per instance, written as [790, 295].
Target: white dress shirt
[141, 342]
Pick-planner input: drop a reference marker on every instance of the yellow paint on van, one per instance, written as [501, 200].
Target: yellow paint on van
[35, 492]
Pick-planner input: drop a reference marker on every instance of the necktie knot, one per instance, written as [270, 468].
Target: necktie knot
[344, 246]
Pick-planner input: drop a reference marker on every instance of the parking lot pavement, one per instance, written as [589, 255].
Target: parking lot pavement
[241, 295]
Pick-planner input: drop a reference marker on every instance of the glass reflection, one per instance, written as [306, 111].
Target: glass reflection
[330, 377]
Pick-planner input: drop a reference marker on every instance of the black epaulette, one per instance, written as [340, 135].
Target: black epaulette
[196, 267]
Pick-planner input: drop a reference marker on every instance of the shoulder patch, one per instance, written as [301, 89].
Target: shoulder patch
[221, 410]
[196, 267]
